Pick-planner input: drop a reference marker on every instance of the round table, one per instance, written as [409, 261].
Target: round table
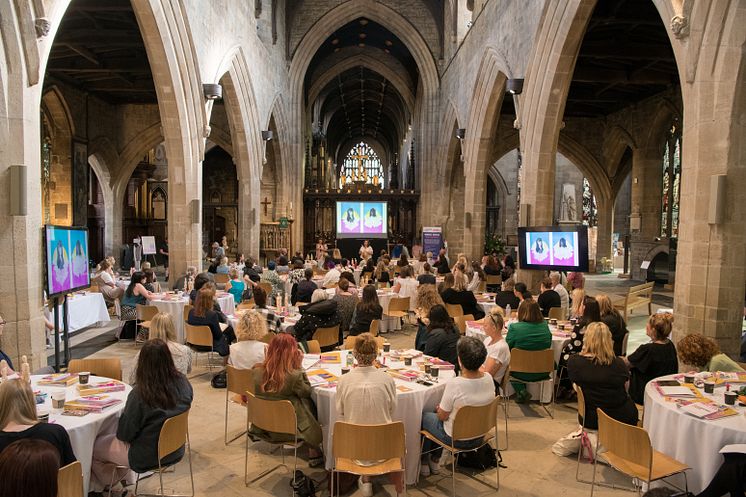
[691, 440]
[409, 408]
[486, 301]
[82, 430]
[174, 305]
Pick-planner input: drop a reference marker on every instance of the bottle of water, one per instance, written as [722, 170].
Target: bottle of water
[350, 360]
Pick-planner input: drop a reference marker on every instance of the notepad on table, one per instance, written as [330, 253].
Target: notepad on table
[676, 391]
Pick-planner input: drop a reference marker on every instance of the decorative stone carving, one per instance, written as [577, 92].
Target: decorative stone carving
[42, 26]
[206, 131]
[680, 26]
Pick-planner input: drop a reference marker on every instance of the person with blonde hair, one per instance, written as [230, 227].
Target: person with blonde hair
[498, 350]
[654, 359]
[18, 421]
[427, 298]
[602, 376]
[106, 282]
[236, 285]
[704, 354]
[614, 320]
[162, 328]
[223, 268]
[577, 298]
[458, 294]
[249, 349]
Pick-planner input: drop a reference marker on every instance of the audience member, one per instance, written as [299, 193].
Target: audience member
[730, 478]
[162, 328]
[29, 467]
[458, 294]
[249, 350]
[185, 282]
[426, 277]
[223, 268]
[442, 265]
[367, 310]
[135, 294]
[654, 359]
[320, 313]
[531, 332]
[508, 267]
[203, 315]
[491, 268]
[498, 350]
[274, 324]
[350, 277]
[270, 276]
[576, 280]
[382, 272]
[252, 271]
[507, 297]
[427, 298]
[614, 320]
[305, 288]
[442, 336]
[282, 265]
[704, 354]
[477, 278]
[332, 276]
[576, 302]
[590, 314]
[558, 287]
[548, 297]
[107, 284]
[346, 302]
[406, 286]
[235, 285]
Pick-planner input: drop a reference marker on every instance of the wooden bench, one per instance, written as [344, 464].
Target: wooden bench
[637, 296]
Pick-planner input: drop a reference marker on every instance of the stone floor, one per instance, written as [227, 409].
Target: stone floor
[532, 469]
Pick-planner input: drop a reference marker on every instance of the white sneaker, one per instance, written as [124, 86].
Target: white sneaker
[434, 466]
[365, 488]
[424, 469]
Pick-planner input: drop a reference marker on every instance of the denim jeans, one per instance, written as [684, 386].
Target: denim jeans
[431, 423]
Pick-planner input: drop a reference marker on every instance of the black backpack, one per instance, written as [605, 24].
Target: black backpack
[484, 457]
[303, 486]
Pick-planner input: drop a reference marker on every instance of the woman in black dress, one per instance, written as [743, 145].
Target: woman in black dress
[652, 360]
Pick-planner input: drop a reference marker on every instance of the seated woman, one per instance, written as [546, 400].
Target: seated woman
[492, 268]
[731, 476]
[29, 467]
[654, 359]
[614, 320]
[590, 313]
[458, 294]
[151, 282]
[366, 311]
[346, 302]
[350, 277]
[427, 298]
[135, 294]
[704, 354]
[369, 268]
[406, 286]
[367, 396]
[304, 289]
[442, 336]
[381, 274]
[477, 277]
[18, 421]
[295, 276]
[107, 285]
[203, 315]
[274, 324]
[162, 328]
[281, 377]
[235, 286]
[577, 297]
[471, 388]
[249, 350]
[531, 332]
[282, 265]
[270, 276]
[603, 377]
[160, 392]
[320, 313]
[498, 351]
[223, 267]
[442, 264]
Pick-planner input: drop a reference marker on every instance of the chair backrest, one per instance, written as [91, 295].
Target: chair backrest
[174, 434]
[454, 310]
[94, 289]
[581, 402]
[368, 442]
[399, 304]
[644, 291]
[239, 380]
[146, 312]
[742, 364]
[267, 287]
[327, 336]
[267, 338]
[460, 322]
[482, 287]
[198, 335]
[313, 347]
[185, 313]
[70, 480]
[475, 421]
[383, 284]
[531, 361]
[624, 344]
[625, 441]
[375, 325]
[557, 313]
[276, 416]
[108, 368]
[246, 304]
[494, 279]
[505, 380]
[221, 278]
[350, 342]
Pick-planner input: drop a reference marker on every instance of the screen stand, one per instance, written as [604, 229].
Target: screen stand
[58, 332]
[65, 330]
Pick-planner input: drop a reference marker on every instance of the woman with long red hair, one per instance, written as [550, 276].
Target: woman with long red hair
[281, 377]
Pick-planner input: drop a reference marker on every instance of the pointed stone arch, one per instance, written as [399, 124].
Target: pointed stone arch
[112, 223]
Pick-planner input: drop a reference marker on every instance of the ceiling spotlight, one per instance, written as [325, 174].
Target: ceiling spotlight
[212, 91]
[335, 41]
[362, 36]
[514, 86]
[388, 43]
[363, 21]
[267, 135]
[461, 133]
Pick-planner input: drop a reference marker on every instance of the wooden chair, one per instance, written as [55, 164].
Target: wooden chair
[557, 313]
[534, 361]
[494, 280]
[625, 341]
[398, 307]
[505, 401]
[144, 314]
[327, 337]
[174, 435]
[268, 337]
[637, 296]
[185, 313]
[108, 368]
[238, 381]
[382, 284]
[313, 347]
[470, 422]
[454, 310]
[267, 287]
[460, 322]
[246, 305]
[199, 339]
[375, 326]
[349, 343]
[275, 416]
[352, 443]
[94, 289]
[628, 450]
[70, 480]
[742, 364]
[581, 413]
[221, 279]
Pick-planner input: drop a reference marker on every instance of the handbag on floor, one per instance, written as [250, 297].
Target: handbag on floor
[303, 486]
[220, 380]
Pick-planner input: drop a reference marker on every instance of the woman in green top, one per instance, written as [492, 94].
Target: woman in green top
[529, 333]
[235, 286]
[704, 353]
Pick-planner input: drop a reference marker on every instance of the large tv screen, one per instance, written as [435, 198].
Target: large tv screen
[562, 248]
[67, 259]
[362, 220]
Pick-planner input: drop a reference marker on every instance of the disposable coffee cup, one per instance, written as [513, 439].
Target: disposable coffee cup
[58, 400]
[561, 327]
[553, 321]
[730, 398]
[428, 368]
[345, 370]
[688, 378]
[83, 377]
[573, 321]
[709, 386]
[43, 416]
[386, 347]
[434, 371]
[407, 361]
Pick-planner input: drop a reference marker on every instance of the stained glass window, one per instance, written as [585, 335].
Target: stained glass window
[671, 183]
[590, 208]
[361, 164]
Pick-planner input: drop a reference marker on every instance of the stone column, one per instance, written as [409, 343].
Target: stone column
[645, 207]
[248, 218]
[605, 228]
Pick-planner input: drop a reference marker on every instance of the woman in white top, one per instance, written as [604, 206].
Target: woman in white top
[477, 277]
[472, 388]
[162, 326]
[498, 352]
[406, 286]
[366, 251]
[367, 396]
[249, 349]
[107, 284]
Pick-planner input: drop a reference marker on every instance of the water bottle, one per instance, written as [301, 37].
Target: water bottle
[350, 360]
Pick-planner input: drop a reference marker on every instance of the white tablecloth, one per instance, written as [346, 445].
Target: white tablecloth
[83, 430]
[175, 307]
[693, 441]
[85, 310]
[409, 409]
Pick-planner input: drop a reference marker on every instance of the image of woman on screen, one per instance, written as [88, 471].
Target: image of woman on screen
[350, 221]
[539, 251]
[563, 253]
[373, 219]
[79, 262]
[60, 268]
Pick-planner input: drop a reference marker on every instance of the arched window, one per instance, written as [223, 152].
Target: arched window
[590, 209]
[361, 164]
[671, 183]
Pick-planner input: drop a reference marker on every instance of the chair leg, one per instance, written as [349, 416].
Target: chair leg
[453, 473]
